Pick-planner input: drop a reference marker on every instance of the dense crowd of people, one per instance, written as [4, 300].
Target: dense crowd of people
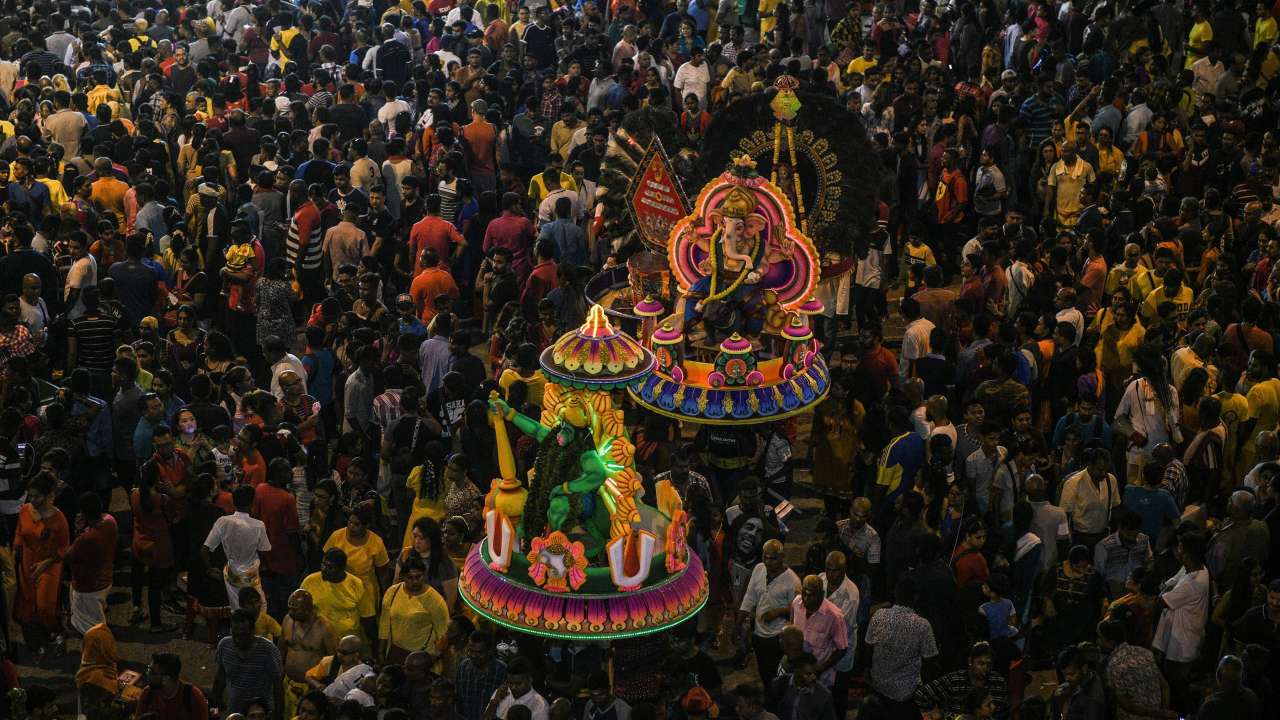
[248, 248]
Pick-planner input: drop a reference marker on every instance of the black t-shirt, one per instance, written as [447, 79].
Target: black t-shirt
[447, 411]
[409, 436]
[541, 43]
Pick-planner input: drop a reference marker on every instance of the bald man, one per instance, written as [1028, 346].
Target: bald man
[342, 671]
[305, 639]
[822, 623]
[767, 604]
[1048, 522]
[32, 310]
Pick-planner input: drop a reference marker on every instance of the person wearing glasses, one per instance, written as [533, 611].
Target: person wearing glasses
[168, 695]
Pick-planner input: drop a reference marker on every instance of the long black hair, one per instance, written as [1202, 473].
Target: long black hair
[430, 530]
[1149, 360]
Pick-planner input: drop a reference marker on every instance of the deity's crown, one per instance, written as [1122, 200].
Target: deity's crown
[738, 203]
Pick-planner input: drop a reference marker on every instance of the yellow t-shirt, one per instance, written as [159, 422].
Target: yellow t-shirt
[267, 627]
[280, 44]
[922, 255]
[413, 622]
[364, 560]
[1069, 182]
[1264, 31]
[538, 189]
[1182, 301]
[1200, 36]
[769, 15]
[1115, 351]
[341, 604]
[860, 65]
[1110, 160]
[537, 383]
[422, 506]
[57, 193]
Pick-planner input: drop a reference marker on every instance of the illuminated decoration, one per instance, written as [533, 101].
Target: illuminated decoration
[737, 348]
[654, 197]
[556, 563]
[577, 554]
[630, 559]
[501, 537]
[787, 150]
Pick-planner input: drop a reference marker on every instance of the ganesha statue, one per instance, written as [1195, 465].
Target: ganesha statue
[738, 255]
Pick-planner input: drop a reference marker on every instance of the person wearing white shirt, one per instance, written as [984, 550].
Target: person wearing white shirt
[626, 47]
[517, 690]
[1021, 278]
[390, 109]
[241, 538]
[915, 338]
[1185, 601]
[767, 603]
[693, 77]
[83, 274]
[473, 16]
[1065, 304]
[273, 349]
[1137, 119]
[33, 312]
[1207, 71]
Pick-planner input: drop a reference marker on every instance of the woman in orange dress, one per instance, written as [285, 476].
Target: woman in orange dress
[42, 533]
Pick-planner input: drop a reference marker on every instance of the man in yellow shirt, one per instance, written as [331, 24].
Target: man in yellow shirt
[1264, 404]
[1067, 178]
[1115, 350]
[1172, 291]
[57, 193]
[1130, 274]
[550, 180]
[768, 10]
[414, 616]
[342, 598]
[1110, 159]
[864, 61]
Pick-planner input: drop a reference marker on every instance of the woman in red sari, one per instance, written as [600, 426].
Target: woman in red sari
[42, 533]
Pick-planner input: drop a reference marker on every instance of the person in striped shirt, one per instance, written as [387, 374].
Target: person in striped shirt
[303, 246]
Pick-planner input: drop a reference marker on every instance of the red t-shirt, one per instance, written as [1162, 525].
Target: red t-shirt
[188, 704]
[277, 509]
[254, 467]
[91, 557]
[481, 138]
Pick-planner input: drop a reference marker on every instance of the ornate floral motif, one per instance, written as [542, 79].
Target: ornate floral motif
[556, 564]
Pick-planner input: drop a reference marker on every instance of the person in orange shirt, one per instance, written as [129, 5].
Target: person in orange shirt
[435, 233]
[432, 282]
[107, 191]
[250, 462]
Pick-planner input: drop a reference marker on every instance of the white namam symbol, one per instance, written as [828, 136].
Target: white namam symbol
[555, 562]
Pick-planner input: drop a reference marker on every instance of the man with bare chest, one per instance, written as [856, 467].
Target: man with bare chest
[305, 639]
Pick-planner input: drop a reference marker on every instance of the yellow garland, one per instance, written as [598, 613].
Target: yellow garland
[795, 180]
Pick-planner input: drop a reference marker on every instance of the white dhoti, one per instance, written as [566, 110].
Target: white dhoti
[237, 581]
[88, 609]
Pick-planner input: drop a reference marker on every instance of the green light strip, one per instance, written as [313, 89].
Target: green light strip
[561, 635]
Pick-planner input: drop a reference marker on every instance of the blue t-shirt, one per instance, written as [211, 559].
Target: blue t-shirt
[1153, 505]
[997, 614]
[319, 366]
[899, 464]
